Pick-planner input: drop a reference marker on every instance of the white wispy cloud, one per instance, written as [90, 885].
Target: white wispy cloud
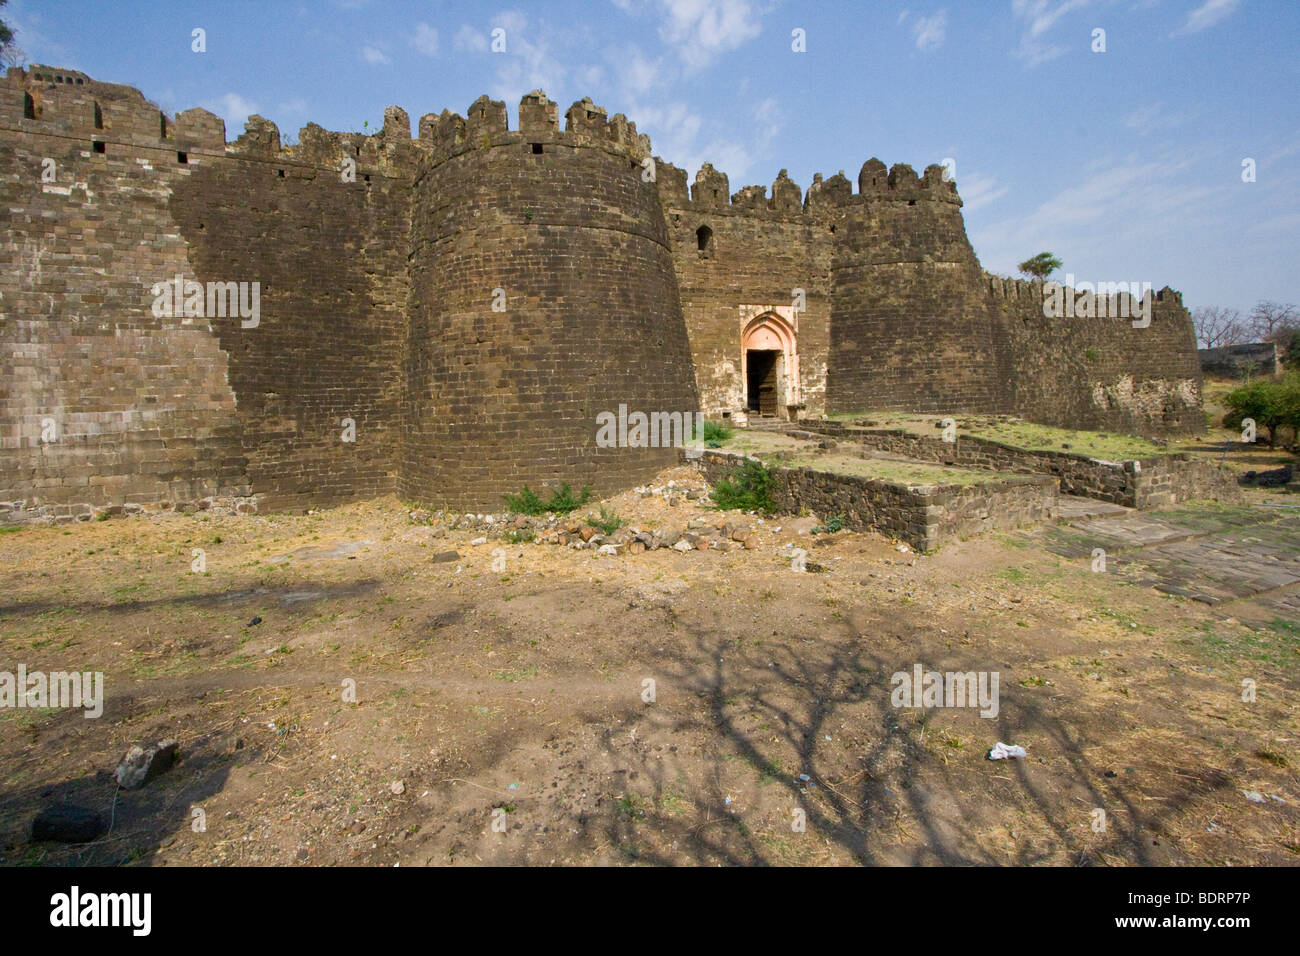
[232, 108]
[637, 72]
[470, 40]
[674, 129]
[1207, 15]
[978, 191]
[1143, 117]
[590, 78]
[1038, 17]
[374, 56]
[701, 30]
[425, 39]
[530, 61]
[1153, 198]
[677, 134]
[930, 31]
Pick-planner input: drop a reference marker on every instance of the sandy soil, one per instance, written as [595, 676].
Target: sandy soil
[502, 714]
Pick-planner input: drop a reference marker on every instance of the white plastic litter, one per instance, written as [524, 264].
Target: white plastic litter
[1002, 751]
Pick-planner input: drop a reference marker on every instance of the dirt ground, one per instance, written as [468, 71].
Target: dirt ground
[503, 715]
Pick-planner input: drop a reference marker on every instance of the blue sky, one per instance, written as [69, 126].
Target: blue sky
[1126, 163]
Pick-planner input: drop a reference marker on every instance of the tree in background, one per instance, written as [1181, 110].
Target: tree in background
[1216, 327]
[6, 38]
[1272, 405]
[1268, 319]
[10, 53]
[1278, 322]
[1040, 266]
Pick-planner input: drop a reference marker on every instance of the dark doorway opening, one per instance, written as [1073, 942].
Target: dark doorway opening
[760, 380]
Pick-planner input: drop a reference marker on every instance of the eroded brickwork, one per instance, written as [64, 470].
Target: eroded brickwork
[103, 402]
[1117, 372]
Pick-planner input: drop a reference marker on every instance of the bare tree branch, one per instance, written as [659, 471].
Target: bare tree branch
[1216, 327]
[1273, 321]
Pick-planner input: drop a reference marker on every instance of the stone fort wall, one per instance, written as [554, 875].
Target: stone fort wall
[159, 409]
[902, 317]
[377, 296]
[561, 229]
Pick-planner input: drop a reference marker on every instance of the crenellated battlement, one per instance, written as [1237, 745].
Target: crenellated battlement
[485, 125]
[711, 190]
[68, 102]
[1025, 292]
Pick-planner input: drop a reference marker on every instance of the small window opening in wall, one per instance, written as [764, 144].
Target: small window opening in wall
[58, 79]
[280, 173]
[79, 81]
[182, 157]
[832, 230]
[537, 149]
[356, 150]
[726, 414]
[162, 126]
[98, 146]
[704, 238]
[29, 106]
[911, 202]
[367, 179]
[99, 117]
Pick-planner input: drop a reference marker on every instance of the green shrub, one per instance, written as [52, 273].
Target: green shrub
[832, 525]
[608, 522]
[525, 503]
[562, 501]
[714, 433]
[1272, 404]
[748, 488]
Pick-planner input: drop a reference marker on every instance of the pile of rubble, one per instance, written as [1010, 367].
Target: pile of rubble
[674, 513]
[717, 533]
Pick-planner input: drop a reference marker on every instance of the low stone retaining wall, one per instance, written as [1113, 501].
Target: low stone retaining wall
[1139, 483]
[29, 511]
[924, 517]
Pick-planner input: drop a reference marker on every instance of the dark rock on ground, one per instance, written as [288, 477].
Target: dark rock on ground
[142, 764]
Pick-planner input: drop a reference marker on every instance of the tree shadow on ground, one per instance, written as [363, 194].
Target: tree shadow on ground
[900, 787]
[300, 592]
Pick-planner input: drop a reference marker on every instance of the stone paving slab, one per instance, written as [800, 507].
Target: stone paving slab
[1133, 529]
[1073, 508]
[1211, 567]
[1286, 604]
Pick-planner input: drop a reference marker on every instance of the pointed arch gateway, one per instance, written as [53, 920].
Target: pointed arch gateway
[769, 365]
